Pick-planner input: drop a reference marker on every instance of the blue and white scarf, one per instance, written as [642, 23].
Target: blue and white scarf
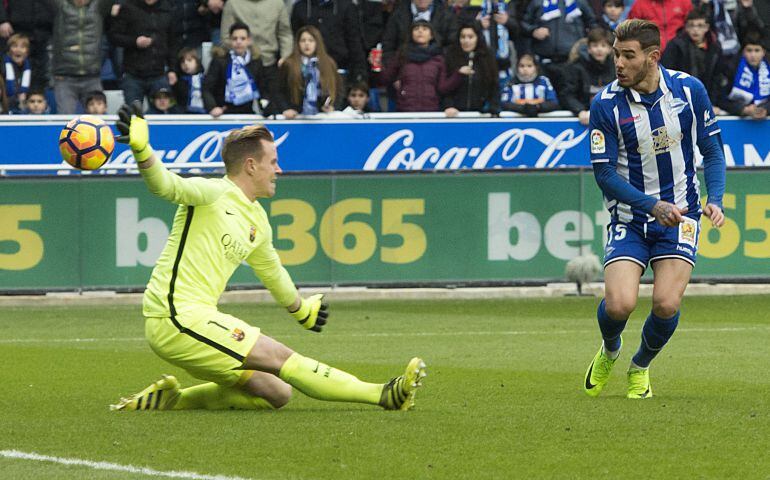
[751, 85]
[551, 10]
[240, 87]
[195, 95]
[10, 77]
[312, 77]
[612, 24]
[723, 24]
[502, 51]
[425, 15]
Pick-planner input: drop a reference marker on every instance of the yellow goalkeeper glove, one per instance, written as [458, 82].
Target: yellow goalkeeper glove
[312, 312]
[133, 131]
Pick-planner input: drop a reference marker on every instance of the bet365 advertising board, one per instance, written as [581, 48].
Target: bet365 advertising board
[102, 232]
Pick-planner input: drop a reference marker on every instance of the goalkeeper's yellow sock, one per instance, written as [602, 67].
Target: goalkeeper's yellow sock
[322, 382]
[210, 396]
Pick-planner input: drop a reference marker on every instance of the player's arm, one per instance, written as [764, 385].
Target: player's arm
[604, 156]
[710, 146]
[167, 185]
[310, 312]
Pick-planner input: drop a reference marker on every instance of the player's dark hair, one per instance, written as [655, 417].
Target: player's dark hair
[239, 26]
[643, 31]
[244, 143]
[598, 35]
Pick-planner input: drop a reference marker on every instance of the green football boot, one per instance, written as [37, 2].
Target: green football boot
[160, 395]
[598, 372]
[639, 383]
[398, 394]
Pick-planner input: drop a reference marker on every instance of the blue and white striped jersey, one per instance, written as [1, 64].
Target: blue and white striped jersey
[538, 89]
[651, 140]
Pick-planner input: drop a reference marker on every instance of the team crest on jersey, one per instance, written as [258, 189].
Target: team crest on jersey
[687, 231]
[252, 233]
[238, 334]
[677, 105]
[661, 141]
[597, 141]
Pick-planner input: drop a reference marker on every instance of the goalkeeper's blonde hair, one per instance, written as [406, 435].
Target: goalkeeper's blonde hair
[244, 143]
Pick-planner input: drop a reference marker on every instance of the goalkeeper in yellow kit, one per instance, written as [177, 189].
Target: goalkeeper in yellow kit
[218, 225]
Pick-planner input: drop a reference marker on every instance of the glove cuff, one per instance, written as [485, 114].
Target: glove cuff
[303, 311]
[143, 154]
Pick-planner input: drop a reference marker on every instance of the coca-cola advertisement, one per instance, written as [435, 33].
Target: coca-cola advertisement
[30, 147]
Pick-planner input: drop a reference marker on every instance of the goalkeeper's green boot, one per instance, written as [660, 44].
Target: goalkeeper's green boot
[398, 394]
[639, 383]
[598, 372]
[161, 395]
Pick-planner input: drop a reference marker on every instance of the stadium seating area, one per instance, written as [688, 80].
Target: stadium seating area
[474, 59]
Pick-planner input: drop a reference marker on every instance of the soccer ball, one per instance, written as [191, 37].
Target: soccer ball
[86, 142]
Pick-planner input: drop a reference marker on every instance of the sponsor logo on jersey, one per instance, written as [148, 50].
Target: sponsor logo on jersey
[633, 119]
[252, 233]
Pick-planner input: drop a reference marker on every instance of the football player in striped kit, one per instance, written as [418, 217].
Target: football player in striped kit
[645, 130]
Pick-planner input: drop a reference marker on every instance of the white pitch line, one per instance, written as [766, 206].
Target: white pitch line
[397, 334]
[113, 466]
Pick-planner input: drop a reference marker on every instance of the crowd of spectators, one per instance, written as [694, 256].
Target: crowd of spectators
[304, 57]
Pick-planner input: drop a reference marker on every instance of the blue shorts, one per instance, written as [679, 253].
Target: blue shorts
[645, 243]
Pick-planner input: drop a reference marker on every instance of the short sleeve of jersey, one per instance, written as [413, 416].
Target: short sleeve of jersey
[705, 119]
[602, 132]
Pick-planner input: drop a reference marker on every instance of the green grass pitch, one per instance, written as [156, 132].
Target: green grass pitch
[502, 398]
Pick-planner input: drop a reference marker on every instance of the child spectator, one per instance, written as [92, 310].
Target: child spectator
[612, 14]
[751, 85]
[308, 78]
[420, 72]
[588, 74]
[162, 102]
[36, 104]
[188, 89]
[96, 103]
[529, 93]
[478, 90]
[17, 72]
[237, 79]
[358, 99]
[696, 51]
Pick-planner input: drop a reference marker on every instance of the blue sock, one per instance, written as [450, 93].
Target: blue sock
[611, 329]
[655, 334]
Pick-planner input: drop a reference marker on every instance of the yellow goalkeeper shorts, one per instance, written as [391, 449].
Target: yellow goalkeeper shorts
[208, 344]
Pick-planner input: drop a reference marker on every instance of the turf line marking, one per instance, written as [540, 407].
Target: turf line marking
[395, 334]
[113, 466]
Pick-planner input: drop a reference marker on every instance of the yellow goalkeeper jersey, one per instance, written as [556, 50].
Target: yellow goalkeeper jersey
[216, 228]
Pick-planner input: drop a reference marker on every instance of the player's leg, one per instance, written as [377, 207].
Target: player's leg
[671, 278]
[323, 382]
[255, 391]
[626, 256]
[621, 287]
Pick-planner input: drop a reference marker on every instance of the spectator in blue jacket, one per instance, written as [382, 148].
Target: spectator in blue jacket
[529, 93]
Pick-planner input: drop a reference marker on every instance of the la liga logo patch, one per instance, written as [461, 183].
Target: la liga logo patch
[597, 141]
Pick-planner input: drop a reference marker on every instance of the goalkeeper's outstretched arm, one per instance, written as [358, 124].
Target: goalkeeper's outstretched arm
[167, 185]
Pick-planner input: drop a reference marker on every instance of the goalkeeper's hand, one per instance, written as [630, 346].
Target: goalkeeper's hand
[133, 131]
[312, 312]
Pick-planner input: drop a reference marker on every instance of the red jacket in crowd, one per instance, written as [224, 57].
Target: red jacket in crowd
[668, 15]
